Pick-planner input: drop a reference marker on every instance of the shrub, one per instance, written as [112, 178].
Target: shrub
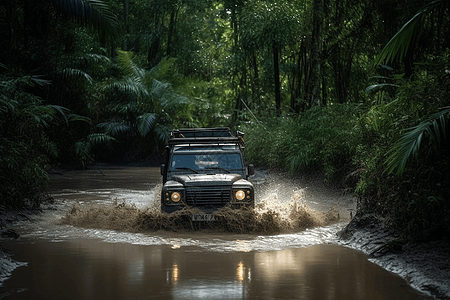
[320, 139]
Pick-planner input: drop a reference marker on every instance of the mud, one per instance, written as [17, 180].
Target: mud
[8, 219]
[424, 265]
[7, 264]
[281, 207]
[123, 216]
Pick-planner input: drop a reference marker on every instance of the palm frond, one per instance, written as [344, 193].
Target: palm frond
[92, 58]
[76, 73]
[75, 117]
[145, 123]
[399, 45]
[125, 60]
[83, 152]
[7, 104]
[37, 80]
[11, 86]
[159, 88]
[42, 114]
[164, 93]
[162, 132]
[380, 86]
[99, 138]
[57, 109]
[51, 149]
[92, 13]
[166, 69]
[129, 86]
[173, 101]
[409, 144]
[114, 128]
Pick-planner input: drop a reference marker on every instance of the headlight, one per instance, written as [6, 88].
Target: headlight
[172, 197]
[175, 197]
[240, 195]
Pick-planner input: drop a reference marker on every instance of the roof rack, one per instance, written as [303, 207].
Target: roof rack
[201, 132]
[208, 136]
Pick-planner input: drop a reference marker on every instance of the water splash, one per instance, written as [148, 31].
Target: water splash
[272, 214]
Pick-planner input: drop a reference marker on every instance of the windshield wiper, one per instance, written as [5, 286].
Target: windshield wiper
[186, 168]
[218, 168]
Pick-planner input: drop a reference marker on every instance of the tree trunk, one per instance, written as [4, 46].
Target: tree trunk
[234, 26]
[126, 8]
[255, 82]
[276, 77]
[171, 32]
[154, 56]
[316, 52]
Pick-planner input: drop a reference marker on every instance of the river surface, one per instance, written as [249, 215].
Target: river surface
[65, 261]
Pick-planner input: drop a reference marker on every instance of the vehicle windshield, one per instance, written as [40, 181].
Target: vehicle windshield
[225, 161]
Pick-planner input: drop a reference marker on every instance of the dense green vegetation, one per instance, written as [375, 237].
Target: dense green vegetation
[355, 90]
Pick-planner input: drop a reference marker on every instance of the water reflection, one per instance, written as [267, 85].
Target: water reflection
[175, 274]
[240, 272]
[91, 269]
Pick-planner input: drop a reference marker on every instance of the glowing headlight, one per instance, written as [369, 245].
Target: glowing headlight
[175, 196]
[240, 195]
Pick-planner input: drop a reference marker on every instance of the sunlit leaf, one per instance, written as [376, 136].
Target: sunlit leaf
[380, 86]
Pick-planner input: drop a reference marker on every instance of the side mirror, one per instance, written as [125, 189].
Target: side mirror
[251, 169]
[163, 169]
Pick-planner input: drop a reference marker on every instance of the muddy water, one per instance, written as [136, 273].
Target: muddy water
[103, 261]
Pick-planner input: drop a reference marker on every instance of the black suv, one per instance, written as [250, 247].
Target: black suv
[205, 168]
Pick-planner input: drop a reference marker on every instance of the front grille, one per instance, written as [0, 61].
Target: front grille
[208, 196]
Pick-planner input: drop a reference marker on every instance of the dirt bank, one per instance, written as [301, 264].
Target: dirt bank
[424, 265]
[7, 220]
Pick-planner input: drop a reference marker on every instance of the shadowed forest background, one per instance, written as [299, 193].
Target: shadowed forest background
[357, 91]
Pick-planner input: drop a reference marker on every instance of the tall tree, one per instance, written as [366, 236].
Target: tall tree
[316, 52]
[270, 27]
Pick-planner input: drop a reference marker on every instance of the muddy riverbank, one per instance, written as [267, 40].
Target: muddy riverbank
[8, 220]
[424, 265]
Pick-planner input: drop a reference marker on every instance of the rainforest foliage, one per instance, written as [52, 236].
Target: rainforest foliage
[356, 90]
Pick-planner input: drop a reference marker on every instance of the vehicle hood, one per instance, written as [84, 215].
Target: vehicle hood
[206, 179]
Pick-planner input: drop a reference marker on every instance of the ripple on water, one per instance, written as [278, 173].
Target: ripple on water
[207, 241]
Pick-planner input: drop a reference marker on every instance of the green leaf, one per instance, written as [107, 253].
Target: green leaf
[409, 143]
[145, 123]
[114, 128]
[99, 138]
[380, 86]
[91, 13]
[399, 45]
[76, 73]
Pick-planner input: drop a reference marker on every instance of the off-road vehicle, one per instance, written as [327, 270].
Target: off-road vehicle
[205, 168]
